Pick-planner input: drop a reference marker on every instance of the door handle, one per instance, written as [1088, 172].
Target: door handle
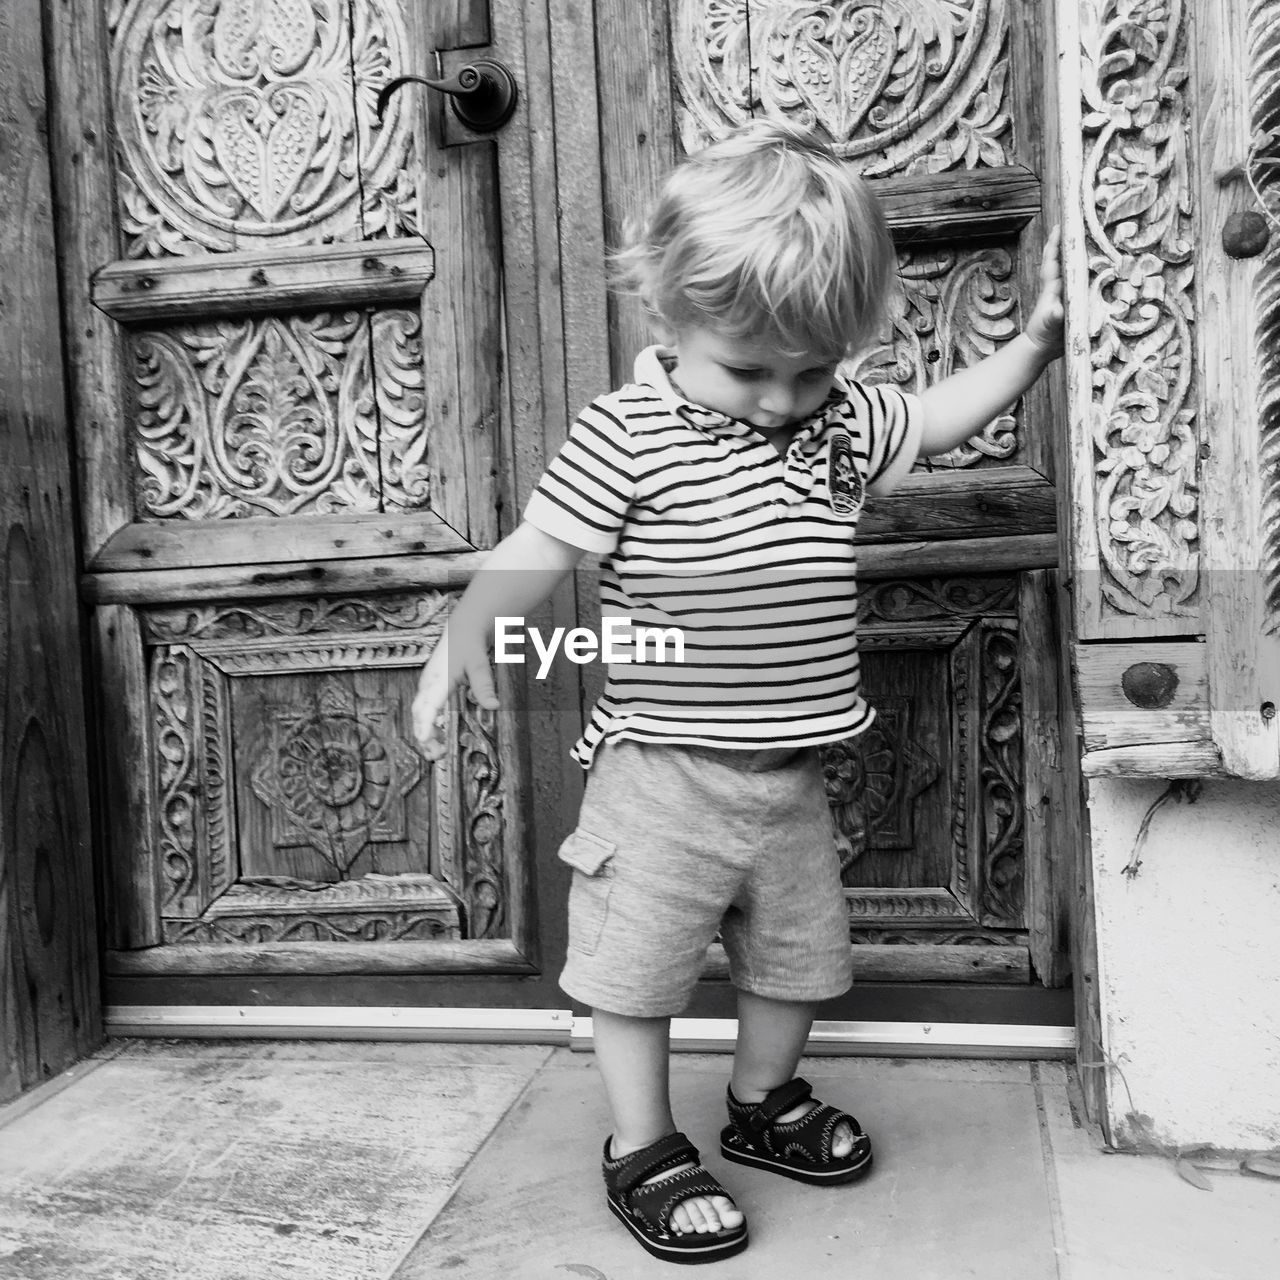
[484, 94]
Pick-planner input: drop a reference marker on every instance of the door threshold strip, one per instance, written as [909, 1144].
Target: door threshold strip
[560, 1027]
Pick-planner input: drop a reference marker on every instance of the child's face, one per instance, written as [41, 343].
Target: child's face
[748, 380]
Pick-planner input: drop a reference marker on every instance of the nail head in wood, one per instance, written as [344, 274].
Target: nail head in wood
[1150, 685]
[1245, 234]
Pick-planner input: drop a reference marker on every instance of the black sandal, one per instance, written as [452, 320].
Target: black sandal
[645, 1209]
[800, 1148]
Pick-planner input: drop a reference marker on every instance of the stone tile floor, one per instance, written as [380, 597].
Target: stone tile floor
[338, 1160]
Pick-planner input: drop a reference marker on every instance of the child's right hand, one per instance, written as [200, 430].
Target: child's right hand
[437, 682]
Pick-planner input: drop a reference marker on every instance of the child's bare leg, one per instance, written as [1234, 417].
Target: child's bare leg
[771, 1038]
[633, 1054]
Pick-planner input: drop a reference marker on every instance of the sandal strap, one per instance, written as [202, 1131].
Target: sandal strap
[627, 1172]
[654, 1201]
[784, 1098]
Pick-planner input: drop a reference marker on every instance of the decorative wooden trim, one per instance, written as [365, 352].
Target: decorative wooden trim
[1127, 243]
[189, 544]
[1239, 535]
[1263, 167]
[312, 958]
[254, 281]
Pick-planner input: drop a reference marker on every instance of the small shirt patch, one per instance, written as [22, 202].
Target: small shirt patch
[845, 489]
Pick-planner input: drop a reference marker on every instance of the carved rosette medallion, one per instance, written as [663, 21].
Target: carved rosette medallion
[953, 309]
[335, 776]
[1138, 234]
[244, 123]
[902, 86]
[280, 415]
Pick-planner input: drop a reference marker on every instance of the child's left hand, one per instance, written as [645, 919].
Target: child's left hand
[1044, 327]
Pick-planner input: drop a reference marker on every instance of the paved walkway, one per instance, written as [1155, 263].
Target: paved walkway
[311, 1160]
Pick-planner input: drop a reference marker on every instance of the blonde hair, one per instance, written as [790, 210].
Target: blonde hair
[766, 234]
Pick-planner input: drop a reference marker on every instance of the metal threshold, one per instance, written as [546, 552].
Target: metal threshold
[561, 1027]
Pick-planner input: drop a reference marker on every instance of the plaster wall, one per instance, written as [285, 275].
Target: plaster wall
[1189, 962]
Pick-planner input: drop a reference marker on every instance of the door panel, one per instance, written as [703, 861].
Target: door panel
[950, 866]
[299, 475]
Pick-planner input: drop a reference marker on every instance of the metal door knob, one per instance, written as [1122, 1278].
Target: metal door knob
[484, 94]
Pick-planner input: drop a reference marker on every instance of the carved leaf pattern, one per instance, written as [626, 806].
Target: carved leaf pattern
[1000, 768]
[1138, 233]
[483, 821]
[904, 86]
[418, 611]
[280, 415]
[954, 309]
[239, 124]
[179, 810]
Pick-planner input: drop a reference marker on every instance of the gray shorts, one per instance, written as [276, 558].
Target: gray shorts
[675, 842]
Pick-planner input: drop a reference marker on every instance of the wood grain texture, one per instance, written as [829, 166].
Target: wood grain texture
[962, 205]
[915, 558]
[1111, 719]
[935, 962]
[462, 307]
[1009, 501]
[311, 958]
[191, 544]
[252, 281]
[132, 907]
[50, 1014]
[1051, 828]
[88, 238]
[1200, 759]
[272, 579]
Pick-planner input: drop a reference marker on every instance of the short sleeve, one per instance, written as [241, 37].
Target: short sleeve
[586, 491]
[893, 424]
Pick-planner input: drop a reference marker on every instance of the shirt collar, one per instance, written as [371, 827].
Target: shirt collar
[652, 367]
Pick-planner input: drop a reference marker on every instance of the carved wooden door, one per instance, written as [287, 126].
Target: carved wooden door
[296, 424]
[954, 813]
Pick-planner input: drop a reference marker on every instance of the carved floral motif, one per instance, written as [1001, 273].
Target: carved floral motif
[1138, 232]
[243, 123]
[334, 774]
[903, 86]
[280, 415]
[954, 309]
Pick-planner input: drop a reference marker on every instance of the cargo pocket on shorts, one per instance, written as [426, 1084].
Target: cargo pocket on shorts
[590, 858]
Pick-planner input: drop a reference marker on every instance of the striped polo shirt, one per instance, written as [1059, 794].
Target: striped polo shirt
[705, 527]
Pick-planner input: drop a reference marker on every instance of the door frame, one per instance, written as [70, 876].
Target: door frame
[557, 358]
